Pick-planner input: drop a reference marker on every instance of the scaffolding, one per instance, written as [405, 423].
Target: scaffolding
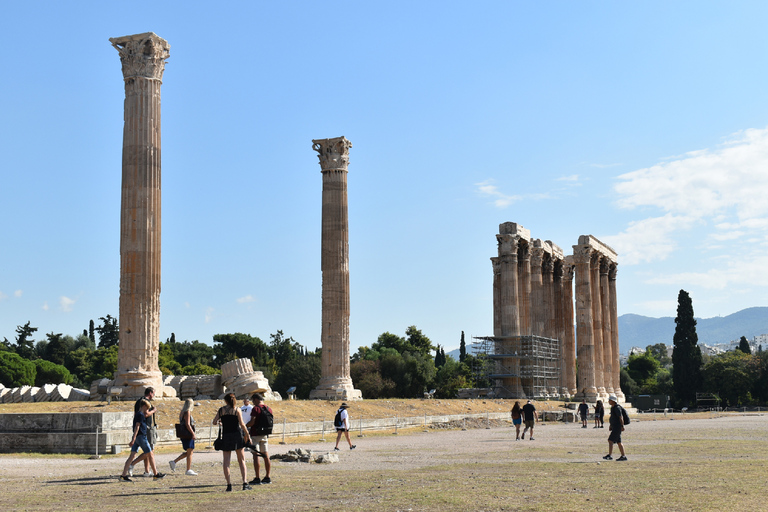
[520, 366]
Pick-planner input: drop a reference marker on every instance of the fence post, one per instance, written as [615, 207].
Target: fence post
[97, 444]
[487, 422]
[395, 433]
[283, 441]
[361, 427]
[323, 434]
[464, 424]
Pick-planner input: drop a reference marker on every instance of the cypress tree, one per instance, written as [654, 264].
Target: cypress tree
[744, 345]
[462, 349]
[686, 355]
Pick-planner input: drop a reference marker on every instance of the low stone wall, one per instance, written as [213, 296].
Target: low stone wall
[110, 432]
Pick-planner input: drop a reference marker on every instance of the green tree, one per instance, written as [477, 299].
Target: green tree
[166, 361]
[229, 347]
[199, 369]
[283, 349]
[628, 384]
[109, 332]
[103, 363]
[188, 353]
[300, 372]
[642, 368]
[744, 345]
[659, 353]
[730, 376]
[450, 377]
[58, 347]
[418, 341]
[80, 365]
[16, 371]
[686, 355]
[462, 349]
[25, 345]
[51, 373]
[91, 332]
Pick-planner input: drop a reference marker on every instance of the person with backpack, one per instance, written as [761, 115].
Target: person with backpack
[341, 422]
[616, 422]
[260, 427]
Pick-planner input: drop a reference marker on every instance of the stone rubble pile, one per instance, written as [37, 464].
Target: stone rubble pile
[46, 393]
[302, 455]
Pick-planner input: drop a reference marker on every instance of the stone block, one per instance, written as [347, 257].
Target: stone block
[169, 392]
[80, 395]
[3, 393]
[29, 395]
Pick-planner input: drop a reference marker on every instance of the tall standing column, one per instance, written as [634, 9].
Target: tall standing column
[568, 358]
[615, 333]
[335, 380]
[607, 341]
[597, 324]
[143, 62]
[585, 342]
[524, 272]
[496, 296]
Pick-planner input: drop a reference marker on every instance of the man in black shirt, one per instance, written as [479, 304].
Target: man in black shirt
[530, 417]
[616, 426]
[583, 412]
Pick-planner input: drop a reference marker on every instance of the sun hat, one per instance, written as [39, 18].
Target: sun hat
[344, 405]
[612, 398]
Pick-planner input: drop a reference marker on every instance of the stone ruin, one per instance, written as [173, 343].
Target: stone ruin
[45, 393]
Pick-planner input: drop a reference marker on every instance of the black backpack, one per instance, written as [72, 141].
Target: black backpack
[337, 420]
[624, 415]
[264, 422]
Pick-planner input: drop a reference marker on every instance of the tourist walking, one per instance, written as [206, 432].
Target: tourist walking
[583, 413]
[530, 418]
[149, 394]
[139, 440]
[599, 413]
[260, 427]
[341, 422]
[188, 444]
[234, 437]
[616, 426]
[517, 419]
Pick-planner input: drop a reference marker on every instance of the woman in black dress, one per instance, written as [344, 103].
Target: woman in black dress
[234, 436]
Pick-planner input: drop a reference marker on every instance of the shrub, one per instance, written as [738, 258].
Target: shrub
[16, 371]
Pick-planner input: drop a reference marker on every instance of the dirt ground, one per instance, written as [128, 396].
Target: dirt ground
[708, 463]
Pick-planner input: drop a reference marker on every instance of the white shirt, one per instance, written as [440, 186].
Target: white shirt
[345, 419]
[246, 412]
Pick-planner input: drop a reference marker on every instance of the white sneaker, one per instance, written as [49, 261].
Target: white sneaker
[130, 470]
[148, 474]
[173, 465]
[190, 473]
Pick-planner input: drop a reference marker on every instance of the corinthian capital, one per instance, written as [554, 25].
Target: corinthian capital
[507, 245]
[142, 55]
[333, 153]
[581, 254]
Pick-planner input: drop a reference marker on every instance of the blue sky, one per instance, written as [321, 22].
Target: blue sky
[643, 124]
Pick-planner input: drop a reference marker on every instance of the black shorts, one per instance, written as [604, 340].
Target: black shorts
[615, 436]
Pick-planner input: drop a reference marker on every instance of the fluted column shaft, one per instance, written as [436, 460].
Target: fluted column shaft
[584, 327]
[496, 296]
[510, 316]
[524, 262]
[569, 344]
[597, 324]
[606, 317]
[615, 333]
[143, 62]
[334, 264]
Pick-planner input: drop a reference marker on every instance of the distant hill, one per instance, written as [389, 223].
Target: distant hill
[641, 331]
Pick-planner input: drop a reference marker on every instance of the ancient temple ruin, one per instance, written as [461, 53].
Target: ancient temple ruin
[335, 380]
[533, 348]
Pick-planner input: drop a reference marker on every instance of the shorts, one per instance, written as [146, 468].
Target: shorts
[517, 421]
[615, 436]
[341, 430]
[528, 423]
[188, 444]
[261, 443]
[583, 417]
[141, 442]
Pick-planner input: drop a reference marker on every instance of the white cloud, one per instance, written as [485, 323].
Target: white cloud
[45, 306]
[18, 293]
[648, 240]
[247, 298]
[500, 200]
[723, 189]
[209, 315]
[66, 303]
[572, 177]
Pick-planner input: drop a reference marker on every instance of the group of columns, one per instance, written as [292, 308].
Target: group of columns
[533, 297]
[143, 63]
